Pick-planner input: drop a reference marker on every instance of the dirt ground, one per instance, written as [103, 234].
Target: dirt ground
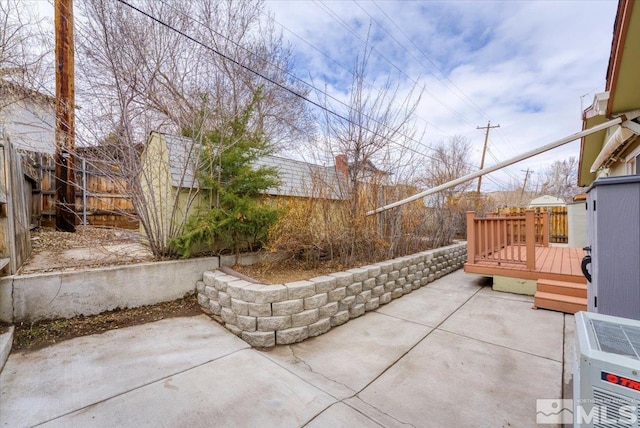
[32, 336]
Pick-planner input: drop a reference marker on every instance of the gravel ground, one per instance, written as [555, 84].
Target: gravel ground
[88, 247]
[47, 238]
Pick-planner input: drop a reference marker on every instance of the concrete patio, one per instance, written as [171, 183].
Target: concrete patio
[453, 353]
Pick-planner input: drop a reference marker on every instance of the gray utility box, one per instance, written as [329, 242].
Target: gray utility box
[613, 233]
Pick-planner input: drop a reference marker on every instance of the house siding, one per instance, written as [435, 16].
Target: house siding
[156, 183]
[29, 121]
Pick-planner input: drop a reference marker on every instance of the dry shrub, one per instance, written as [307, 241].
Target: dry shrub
[316, 230]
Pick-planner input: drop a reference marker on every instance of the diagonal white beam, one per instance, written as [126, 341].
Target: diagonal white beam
[502, 164]
[633, 126]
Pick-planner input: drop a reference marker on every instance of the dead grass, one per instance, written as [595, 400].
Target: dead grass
[282, 271]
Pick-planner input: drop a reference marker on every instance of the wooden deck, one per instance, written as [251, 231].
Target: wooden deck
[554, 263]
[518, 247]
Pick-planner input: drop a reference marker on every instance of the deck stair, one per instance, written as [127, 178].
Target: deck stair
[562, 296]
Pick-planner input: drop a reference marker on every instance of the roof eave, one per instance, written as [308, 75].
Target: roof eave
[590, 146]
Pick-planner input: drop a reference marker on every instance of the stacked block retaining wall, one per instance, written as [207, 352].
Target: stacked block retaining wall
[266, 315]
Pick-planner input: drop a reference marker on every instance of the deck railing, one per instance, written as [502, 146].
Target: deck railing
[557, 216]
[506, 239]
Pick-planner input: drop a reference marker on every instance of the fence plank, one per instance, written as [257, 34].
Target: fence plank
[15, 226]
[557, 222]
[107, 202]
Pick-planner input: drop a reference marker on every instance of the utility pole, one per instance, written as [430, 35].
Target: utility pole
[65, 119]
[484, 150]
[526, 176]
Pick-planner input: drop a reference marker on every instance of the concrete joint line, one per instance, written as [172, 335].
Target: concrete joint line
[420, 340]
[502, 346]
[494, 344]
[353, 408]
[405, 353]
[403, 319]
[162, 379]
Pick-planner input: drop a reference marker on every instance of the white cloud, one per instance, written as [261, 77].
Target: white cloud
[525, 65]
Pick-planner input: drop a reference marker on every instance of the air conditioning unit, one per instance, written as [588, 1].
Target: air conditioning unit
[606, 375]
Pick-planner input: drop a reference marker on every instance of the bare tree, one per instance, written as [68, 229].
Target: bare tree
[192, 69]
[376, 122]
[560, 179]
[370, 137]
[26, 75]
[25, 47]
[449, 161]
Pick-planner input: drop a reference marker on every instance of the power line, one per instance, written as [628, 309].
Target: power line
[499, 183]
[503, 137]
[228, 58]
[290, 74]
[464, 98]
[506, 170]
[314, 47]
[311, 45]
[295, 77]
[333, 15]
[261, 75]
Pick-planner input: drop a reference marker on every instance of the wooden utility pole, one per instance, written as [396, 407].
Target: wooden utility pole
[484, 150]
[65, 120]
[524, 185]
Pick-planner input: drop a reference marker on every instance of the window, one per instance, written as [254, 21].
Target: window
[633, 162]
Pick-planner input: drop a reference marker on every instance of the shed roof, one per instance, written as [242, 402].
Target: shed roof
[184, 156]
[547, 201]
[297, 178]
[303, 179]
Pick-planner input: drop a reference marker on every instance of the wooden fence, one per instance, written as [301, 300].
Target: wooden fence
[27, 192]
[101, 199]
[558, 225]
[15, 194]
[558, 221]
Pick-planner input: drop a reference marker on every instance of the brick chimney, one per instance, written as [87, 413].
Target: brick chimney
[342, 165]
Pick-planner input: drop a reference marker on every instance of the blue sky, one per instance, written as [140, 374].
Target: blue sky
[527, 65]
